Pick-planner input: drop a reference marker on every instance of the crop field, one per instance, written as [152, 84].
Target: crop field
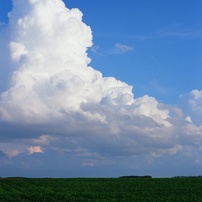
[101, 189]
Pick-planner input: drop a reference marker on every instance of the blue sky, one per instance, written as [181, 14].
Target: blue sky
[135, 109]
[166, 36]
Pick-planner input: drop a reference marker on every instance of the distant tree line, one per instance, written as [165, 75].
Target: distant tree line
[200, 176]
[136, 176]
[13, 178]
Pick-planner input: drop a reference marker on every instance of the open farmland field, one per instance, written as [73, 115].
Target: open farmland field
[101, 189]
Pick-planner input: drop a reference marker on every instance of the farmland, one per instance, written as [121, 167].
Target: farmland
[101, 189]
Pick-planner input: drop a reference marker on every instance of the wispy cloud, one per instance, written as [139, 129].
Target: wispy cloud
[95, 48]
[122, 48]
[170, 31]
[178, 30]
[119, 48]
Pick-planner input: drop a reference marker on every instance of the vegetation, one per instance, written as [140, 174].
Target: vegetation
[101, 189]
[136, 176]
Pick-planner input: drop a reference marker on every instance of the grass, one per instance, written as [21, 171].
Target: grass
[101, 189]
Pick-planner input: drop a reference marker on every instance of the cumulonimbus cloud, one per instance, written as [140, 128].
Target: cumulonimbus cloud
[55, 93]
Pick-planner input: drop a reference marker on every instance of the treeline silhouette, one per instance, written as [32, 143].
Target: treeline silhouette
[200, 176]
[136, 176]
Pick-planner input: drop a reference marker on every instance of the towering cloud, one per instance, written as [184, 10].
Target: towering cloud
[55, 100]
[51, 77]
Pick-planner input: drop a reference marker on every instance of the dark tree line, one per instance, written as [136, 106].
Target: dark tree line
[136, 176]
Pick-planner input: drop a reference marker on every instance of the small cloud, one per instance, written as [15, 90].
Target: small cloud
[35, 149]
[192, 105]
[87, 164]
[95, 48]
[121, 48]
[188, 119]
[198, 161]
[13, 153]
[117, 49]
[41, 140]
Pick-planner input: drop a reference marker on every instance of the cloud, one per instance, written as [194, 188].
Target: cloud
[13, 152]
[120, 49]
[56, 102]
[192, 105]
[84, 164]
[117, 49]
[170, 31]
[123, 48]
[95, 48]
[177, 30]
[35, 149]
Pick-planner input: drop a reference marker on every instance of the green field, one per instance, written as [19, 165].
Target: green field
[101, 189]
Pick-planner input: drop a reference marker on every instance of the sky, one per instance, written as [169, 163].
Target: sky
[100, 89]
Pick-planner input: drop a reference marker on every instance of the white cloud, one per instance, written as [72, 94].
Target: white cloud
[84, 164]
[192, 105]
[55, 100]
[35, 149]
[120, 48]
[123, 48]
